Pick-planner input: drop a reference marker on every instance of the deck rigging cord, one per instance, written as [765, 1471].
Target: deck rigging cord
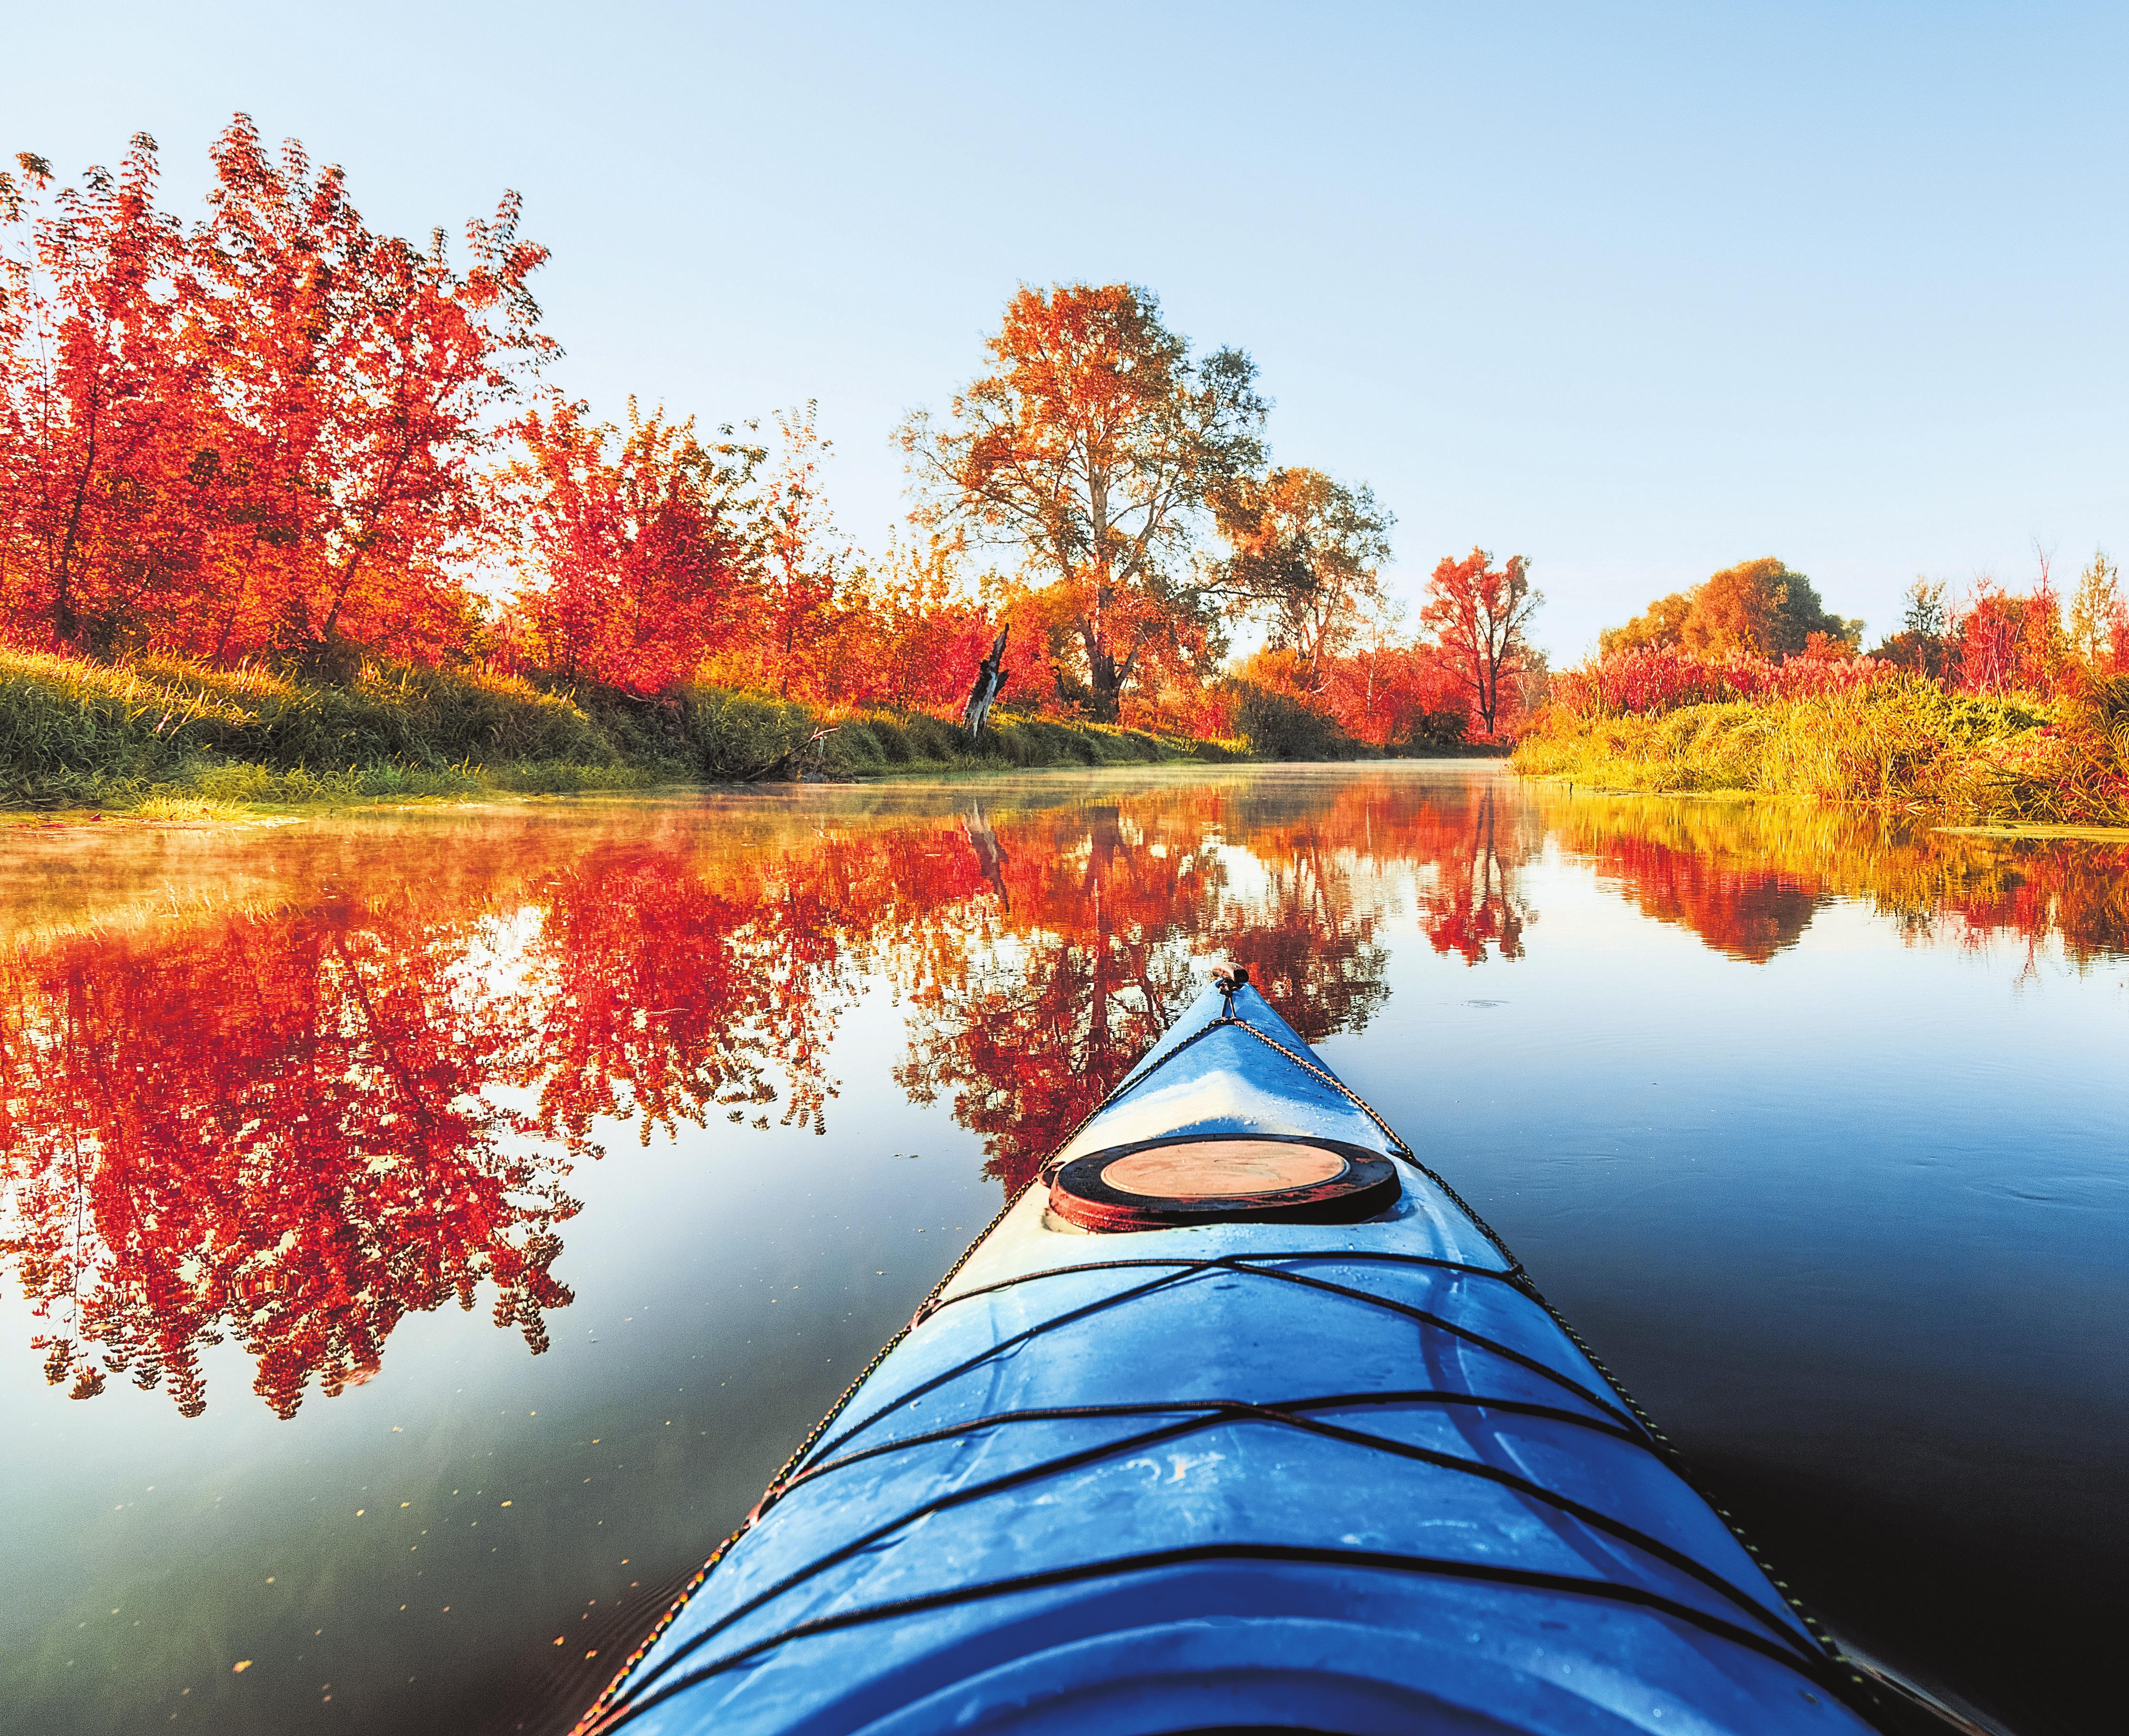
[625, 1697]
[1213, 1415]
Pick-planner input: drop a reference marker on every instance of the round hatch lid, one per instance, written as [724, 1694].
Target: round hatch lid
[1158, 1184]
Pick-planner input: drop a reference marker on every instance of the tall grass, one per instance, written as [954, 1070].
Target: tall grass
[159, 732]
[1901, 743]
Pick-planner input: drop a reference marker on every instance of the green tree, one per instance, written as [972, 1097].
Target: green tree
[1923, 643]
[1306, 555]
[1095, 444]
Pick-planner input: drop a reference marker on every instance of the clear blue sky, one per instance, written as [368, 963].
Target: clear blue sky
[1636, 291]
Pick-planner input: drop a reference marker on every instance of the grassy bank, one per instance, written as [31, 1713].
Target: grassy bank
[1903, 743]
[160, 737]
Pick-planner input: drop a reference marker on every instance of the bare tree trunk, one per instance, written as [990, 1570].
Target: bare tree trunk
[990, 677]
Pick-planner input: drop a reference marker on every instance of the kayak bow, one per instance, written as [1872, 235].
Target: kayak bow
[1243, 1419]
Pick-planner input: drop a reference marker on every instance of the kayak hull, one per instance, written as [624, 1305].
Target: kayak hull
[1338, 1476]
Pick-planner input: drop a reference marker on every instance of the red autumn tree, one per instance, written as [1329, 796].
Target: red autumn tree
[626, 541]
[910, 635]
[260, 434]
[1478, 612]
[281, 1130]
[2005, 643]
[102, 411]
[664, 992]
[1398, 695]
[362, 379]
[801, 563]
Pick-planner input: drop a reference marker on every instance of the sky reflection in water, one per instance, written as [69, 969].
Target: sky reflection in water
[1810, 1122]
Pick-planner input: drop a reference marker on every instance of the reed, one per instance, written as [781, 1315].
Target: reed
[1904, 743]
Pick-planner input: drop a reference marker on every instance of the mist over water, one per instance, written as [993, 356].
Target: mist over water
[424, 1234]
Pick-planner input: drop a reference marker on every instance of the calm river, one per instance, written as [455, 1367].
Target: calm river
[424, 1234]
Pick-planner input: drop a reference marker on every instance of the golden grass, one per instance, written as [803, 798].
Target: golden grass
[1903, 744]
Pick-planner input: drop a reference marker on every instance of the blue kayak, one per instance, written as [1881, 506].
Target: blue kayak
[1238, 1419]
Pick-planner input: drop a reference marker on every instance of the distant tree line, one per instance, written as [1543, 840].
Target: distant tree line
[1759, 630]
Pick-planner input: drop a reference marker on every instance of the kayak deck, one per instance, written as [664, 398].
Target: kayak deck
[1336, 1477]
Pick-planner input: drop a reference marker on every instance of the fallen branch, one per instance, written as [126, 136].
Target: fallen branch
[785, 758]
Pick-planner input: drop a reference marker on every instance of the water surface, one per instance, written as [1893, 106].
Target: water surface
[424, 1234]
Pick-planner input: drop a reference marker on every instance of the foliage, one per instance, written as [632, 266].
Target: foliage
[2001, 644]
[1656, 678]
[1305, 552]
[629, 555]
[365, 1095]
[273, 439]
[258, 435]
[1479, 612]
[2098, 631]
[1758, 608]
[1922, 644]
[789, 601]
[1746, 877]
[1403, 696]
[368, 1106]
[908, 633]
[1094, 445]
[1279, 724]
[1662, 623]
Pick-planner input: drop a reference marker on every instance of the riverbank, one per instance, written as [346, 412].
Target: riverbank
[165, 739]
[1903, 744]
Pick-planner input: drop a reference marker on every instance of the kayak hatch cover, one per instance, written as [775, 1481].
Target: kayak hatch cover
[1242, 1421]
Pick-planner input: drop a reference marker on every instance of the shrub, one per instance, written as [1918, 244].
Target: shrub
[1278, 725]
[1647, 680]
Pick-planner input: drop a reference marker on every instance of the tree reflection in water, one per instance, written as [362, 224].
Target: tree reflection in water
[292, 1126]
[1746, 877]
[278, 1129]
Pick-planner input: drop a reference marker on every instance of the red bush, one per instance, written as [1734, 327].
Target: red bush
[1652, 679]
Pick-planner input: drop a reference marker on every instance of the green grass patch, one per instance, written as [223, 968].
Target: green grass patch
[163, 738]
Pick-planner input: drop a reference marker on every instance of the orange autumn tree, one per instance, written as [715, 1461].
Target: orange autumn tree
[1760, 608]
[1094, 445]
